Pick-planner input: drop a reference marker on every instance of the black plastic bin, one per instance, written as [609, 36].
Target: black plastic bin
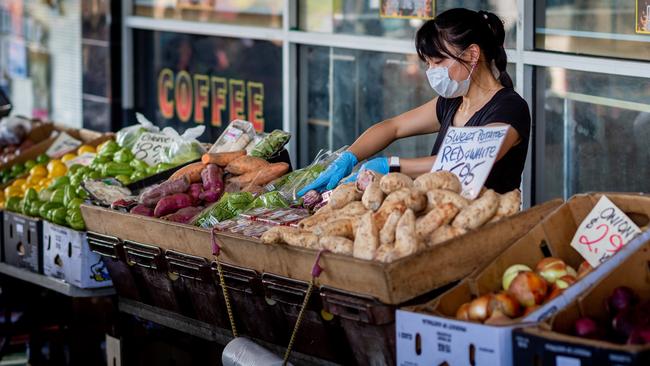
[320, 334]
[111, 250]
[149, 271]
[2, 236]
[23, 241]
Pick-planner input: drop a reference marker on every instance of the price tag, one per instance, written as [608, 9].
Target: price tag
[63, 144]
[83, 159]
[150, 146]
[470, 153]
[603, 232]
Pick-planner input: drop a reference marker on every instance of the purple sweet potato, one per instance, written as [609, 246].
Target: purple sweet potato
[212, 195]
[195, 192]
[152, 195]
[184, 215]
[212, 177]
[171, 204]
[142, 210]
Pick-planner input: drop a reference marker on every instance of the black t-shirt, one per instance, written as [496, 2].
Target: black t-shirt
[506, 106]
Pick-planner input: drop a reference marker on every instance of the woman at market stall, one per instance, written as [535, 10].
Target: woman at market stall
[467, 69]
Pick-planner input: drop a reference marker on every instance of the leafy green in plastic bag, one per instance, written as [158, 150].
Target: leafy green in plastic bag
[268, 200]
[184, 147]
[229, 206]
[271, 144]
[127, 136]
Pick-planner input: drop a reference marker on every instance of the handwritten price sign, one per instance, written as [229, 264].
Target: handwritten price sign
[150, 146]
[470, 153]
[603, 232]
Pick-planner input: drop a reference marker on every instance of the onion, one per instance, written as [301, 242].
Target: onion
[555, 292]
[512, 272]
[504, 304]
[478, 308]
[621, 298]
[565, 281]
[551, 269]
[640, 335]
[584, 269]
[588, 328]
[463, 312]
[528, 288]
[530, 309]
[624, 322]
[497, 318]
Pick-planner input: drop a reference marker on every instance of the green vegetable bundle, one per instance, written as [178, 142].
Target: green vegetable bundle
[229, 206]
[271, 144]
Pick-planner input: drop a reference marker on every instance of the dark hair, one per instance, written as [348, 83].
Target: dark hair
[461, 28]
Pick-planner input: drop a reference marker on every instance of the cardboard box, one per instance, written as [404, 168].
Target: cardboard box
[22, 241]
[551, 343]
[68, 256]
[392, 283]
[445, 339]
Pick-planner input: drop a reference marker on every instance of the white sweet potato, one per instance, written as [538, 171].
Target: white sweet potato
[439, 216]
[337, 227]
[273, 235]
[394, 181]
[344, 194]
[414, 199]
[387, 232]
[438, 197]
[406, 240]
[444, 233]
[438, 180]
[336, 244]
[366, 241]
[352, 209]
[509, 204]
[300, 238]
[373, 197]
[386, 209]
[478, 212]
[386, 253]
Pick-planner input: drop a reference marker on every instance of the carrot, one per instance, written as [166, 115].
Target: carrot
[246, 164]
[222, 159]
[192, 171]
[263, 176]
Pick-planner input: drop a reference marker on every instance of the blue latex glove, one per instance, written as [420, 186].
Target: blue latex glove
[379, 165]
[330, 178]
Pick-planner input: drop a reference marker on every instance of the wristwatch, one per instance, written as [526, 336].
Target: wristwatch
[393, 164]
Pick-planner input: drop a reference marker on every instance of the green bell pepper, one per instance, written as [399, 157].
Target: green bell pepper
[43, 159]
[82, 193]
[30, 164]
[35, 207]
[74, 219]
[60, 182]
[73, 168]
[45, 195]
[69, 194]
[138, 175]
[115, 169]
[109, 148]
[13, 204]
[74, 203]
[58, 195]
[138, 165]
[45, 209]
[18, 169]
[123, 156]
[124, 179]
[93, 175]
[161, 167]
[58, 216]
[31, 195]
[76, 180]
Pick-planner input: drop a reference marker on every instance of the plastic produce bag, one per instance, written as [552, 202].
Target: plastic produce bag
[14, 130]
[127, 136]
[271, 144]
[184, 147]
[229, 206]
[290, 184]
[235, 137]
[244, 352]
[268, 200]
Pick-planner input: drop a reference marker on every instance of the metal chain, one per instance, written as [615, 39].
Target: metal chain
[222, 281]
[301, 314]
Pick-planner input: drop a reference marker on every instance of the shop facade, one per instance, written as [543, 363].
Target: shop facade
[327, 70]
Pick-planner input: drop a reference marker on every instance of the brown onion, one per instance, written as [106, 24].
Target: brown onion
[463, 312]
[528, 288]
[478, 308]
[551, 269]
[505, 304]
[512, 272]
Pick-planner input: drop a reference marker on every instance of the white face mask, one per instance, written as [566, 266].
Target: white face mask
[444, 85]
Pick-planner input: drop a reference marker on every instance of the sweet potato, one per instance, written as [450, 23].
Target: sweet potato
[386, 209]
[439, 216]
[338, 227]
[212, 177]
[373, 197]
[195, 192]
[406, 240]
[393, 181]
[344, 194]
[414, 199]
[171, 204]
[336, 244]
[478, 212]
[184, 215]
[246, 164]
[386, 253]
[326, 214]
[366, 241]
[191, 171]
[152, 195]
[142, 210]
[444, 233]
[366, 177]
[211, 195]
[299, 238]
[438, 197]
[222, 159]
[262, 176]
[509, 204]
[387, 232]
[274, 235]
[438, 180]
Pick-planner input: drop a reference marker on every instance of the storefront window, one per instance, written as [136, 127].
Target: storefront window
[593, 132]
[603, 28]
[185, 80]
[365, 17]
[343, 92]
[262, 13]
[40, 69]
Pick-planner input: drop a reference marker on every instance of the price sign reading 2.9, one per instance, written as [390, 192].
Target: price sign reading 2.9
[603, 232]
[470, 153]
